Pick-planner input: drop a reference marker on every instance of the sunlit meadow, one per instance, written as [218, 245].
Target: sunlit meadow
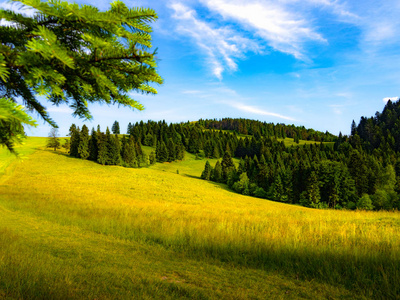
[75, 229]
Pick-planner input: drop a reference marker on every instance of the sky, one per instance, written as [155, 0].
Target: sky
[313, 63]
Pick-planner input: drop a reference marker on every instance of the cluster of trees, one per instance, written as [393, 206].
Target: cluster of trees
[258, 129]
[204, 140]
[350, 173]
[106, 148]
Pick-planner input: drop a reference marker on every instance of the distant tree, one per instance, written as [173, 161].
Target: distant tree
[207, 171]
[129, 129]
[102, 156]
[148, 140]
[115, 128]
[53, 141]
[218, 172]
[83, 147]
[242, 186]
[129, 153]
[94, 145]
[74, 133]
[227, 164]
[365, 202]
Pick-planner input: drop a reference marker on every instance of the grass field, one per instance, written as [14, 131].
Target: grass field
[75, 229]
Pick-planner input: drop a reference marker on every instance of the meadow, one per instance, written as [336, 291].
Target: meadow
[72, 228]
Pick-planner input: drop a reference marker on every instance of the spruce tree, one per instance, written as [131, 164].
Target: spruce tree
[152, 158]
[83, 147]
[227, 164]
[75, 138]
[102, 156]
[74, 54]
[207, 171]
[93, 145]
[129, 152]
[115, 128]
[218, 172]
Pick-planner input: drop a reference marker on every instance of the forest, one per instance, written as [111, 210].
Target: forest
[360, 171]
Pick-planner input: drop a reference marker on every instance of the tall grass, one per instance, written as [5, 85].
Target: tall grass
[204, 222]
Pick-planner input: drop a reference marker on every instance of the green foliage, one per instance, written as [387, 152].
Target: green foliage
[12, 119]
[74, 133]
[207, 171]
[365, 202]
[83, 147]
[73, 54]
[115, 128]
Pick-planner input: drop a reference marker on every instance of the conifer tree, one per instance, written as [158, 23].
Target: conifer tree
[115, 128]
[93, 145]
[152, 158]
[75, 138]
[102, 157]
[114, 150]
[83, 147]
[227, 164]
[129, 152]
[207, 171]
[74, 55]
[218, 172]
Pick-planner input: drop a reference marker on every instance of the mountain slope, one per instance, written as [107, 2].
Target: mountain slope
[75, 229]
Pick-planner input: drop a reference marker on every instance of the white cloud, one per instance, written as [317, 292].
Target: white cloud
[221, 45]
[385, 100]
[257, 111]
[273, 21]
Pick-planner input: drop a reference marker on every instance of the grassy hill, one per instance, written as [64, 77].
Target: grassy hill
[75, 229]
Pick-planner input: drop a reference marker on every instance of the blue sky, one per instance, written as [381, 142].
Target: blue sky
[317, 63]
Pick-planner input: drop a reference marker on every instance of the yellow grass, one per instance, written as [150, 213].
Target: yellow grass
[73, 228]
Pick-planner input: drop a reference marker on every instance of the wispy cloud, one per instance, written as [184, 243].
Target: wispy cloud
[273, 21]
[222, 45]
[257, 111]
[385, 100]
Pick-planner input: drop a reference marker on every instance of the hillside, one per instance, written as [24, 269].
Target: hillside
[78, 229]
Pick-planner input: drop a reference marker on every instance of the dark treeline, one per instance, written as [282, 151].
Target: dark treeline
[106, 148]
[354, 172]
[258, 129]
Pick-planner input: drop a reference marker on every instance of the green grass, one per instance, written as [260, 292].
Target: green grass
[73, 229]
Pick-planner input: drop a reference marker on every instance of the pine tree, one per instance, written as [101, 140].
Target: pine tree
[129, 152]
[74, 54]
[207, 171]
[115, 128]
[227, 164]
[114, 150]
[93, 145]
[83, 147]
[102, 157]
[129, 129]
[218, 172]
[74, 132]
[152, 158]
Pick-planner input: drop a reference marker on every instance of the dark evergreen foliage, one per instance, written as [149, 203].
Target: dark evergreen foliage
[83, 147]
[115, 128]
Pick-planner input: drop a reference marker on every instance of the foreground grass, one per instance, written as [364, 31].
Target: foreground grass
[76, 229]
